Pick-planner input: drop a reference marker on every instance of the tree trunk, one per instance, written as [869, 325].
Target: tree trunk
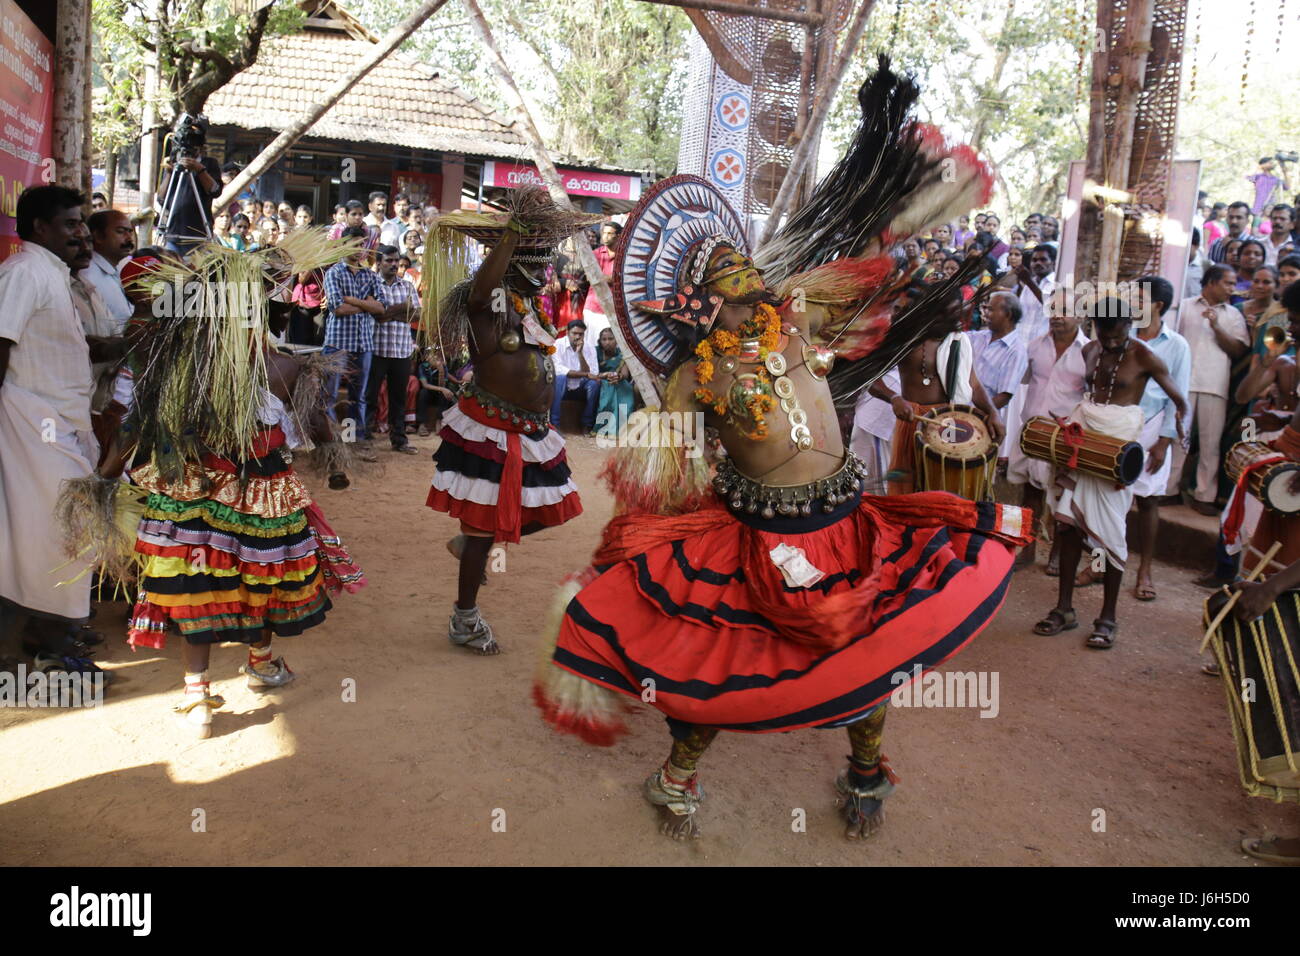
[986, 105]
[298, 128]
[110, 176]
[149, 135]
[70, 131]
[515, 101]
[803, 150]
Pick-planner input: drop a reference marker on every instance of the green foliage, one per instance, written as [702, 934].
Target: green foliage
[1003, 75]
[122, 38]
[604, 79]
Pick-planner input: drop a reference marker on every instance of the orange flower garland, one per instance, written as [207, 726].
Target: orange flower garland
[765, 325]
[521, 307]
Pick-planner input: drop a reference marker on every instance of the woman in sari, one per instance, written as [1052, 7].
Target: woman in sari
[617, 395]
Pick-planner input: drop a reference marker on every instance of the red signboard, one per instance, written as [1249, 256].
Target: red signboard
[26, 114]
[577, 182]
[421, 188]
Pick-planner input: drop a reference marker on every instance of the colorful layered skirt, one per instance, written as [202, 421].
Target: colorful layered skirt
[692, 614]
[234, 549]
[496, 477]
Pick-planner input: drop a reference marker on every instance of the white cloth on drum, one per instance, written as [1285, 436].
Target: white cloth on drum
[1094, 505]
[1149, 485]
[1252, 509]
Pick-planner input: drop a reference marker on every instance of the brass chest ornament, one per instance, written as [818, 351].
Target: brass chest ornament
[510, 340]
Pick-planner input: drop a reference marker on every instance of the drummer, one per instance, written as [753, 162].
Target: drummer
[924, 373]
[1093, 510]
[1256, 598]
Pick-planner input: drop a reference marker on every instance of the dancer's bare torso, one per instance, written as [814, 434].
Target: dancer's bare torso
[776, 459]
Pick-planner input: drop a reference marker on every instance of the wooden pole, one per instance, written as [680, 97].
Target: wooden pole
[149, 130]
[70, 130]
[295, 130]
[804, 148]
[1090, 211]
[1133, 68]
[644, 381]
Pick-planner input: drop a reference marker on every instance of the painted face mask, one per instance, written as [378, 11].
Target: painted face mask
[734, 277]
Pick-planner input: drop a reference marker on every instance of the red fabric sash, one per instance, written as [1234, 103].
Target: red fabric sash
[510, 493]
[1072, 435]
[1237, 513]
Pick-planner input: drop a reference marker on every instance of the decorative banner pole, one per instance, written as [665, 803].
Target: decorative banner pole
[645, 383]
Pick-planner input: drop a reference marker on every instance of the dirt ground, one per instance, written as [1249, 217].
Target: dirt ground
[440, 745]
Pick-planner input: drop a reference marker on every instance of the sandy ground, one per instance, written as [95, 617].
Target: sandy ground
[440, 745]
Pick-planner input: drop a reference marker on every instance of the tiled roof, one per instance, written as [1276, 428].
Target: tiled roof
[399, 102]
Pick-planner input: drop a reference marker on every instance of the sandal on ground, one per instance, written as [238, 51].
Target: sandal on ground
[1144, 592]
[1211, 669]
[338, 481]
[1265, 849]
[1056, 622]
[1052, 570]
[1103, 634]
[274, 673]
[405, 450]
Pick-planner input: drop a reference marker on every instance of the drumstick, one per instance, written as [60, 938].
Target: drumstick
[1223, 611]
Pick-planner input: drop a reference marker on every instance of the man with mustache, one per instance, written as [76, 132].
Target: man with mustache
[45, 430]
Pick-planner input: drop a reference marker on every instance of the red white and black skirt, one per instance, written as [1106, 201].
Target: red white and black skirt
[497, 478]
[695, 608]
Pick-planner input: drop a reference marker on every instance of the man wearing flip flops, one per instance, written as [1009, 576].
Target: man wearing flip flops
[1090, 511]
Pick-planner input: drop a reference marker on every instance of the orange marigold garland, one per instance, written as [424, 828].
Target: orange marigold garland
[522, 308]
[764, 325]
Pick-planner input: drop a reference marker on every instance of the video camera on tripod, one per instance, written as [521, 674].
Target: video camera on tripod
[188, 137]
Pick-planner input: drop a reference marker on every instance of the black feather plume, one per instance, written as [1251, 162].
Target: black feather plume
[854, 204]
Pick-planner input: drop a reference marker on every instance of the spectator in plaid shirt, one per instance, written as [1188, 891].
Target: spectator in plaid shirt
[393, 345]
[351, 303]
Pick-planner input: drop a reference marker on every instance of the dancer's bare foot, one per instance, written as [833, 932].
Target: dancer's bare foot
[676, 804]
[863, 810]
[678, 827]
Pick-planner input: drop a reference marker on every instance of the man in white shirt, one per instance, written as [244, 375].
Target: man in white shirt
[1160, 417]
[1282, 219]
[113, 238]
[873, 432]
[1035, 285]
[45, 431]
[377, 204]
[1055, 379]
[1217, 335]
[577, 374]
[391, 230]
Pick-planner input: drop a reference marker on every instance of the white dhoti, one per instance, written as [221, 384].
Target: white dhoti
[1149, 484]
[1021, 469]
[39, 453]
[1095, 506]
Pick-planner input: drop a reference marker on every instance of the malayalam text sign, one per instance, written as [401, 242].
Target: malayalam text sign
[577, 182]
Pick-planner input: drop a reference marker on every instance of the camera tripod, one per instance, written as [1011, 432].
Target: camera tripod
[175, 189]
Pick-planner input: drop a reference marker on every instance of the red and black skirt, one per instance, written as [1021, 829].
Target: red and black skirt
[695, 609]
[500, 479]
